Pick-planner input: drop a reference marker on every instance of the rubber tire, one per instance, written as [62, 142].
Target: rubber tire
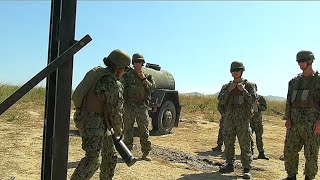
[168, 105]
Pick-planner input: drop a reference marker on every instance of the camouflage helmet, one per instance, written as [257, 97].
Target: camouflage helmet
[304, 55]
[138, 58]
[118, 58]
[236, 65]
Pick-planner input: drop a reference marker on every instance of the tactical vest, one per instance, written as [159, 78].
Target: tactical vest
[236, 97]
[303, 92]
[84, 97]
[135, 90]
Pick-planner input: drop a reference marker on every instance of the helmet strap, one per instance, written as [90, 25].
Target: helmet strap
[241, 73]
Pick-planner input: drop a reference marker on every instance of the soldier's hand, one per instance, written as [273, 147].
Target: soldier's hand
[240, 86]
[317, 127]
[288, 124]
[141, 75]
[118, 133]
[232, 86]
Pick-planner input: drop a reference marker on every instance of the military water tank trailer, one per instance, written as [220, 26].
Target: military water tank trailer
[164, 106]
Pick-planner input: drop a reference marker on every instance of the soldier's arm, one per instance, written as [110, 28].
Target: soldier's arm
[112, 93]
[224, 95]
[150, 84]
[317, 95]
[116, 109]
[288, 102]
[262, 104]
[220, 107]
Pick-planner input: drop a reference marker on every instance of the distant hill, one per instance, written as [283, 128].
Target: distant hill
[274, 98]
[193, 94]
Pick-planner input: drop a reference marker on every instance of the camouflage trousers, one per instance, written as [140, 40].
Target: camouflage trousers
[95, 139]
[139, 113]
[301, 135]
[220, 134]
[237, 124]
[257, 127]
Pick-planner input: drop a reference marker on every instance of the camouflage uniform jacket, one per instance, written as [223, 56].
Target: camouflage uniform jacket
[249, 97]
[110, 91]
[134, 88]
[311, 101]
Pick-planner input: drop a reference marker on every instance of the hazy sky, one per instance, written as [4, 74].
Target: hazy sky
[195, 41]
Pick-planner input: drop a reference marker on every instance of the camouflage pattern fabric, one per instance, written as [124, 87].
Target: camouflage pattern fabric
[137, 95]
[96, 137]
[301, 134]
[237, 123]
[140, 114]
[221, 110]
[220, 134]
[257, 122]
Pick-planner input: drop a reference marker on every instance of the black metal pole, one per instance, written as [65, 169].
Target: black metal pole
[63, 93]
[50, 92]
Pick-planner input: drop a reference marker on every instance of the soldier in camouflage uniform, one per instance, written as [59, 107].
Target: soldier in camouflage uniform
[257, 125]
[222, 111]
[238, 97]
[138, 87]
[303, 118]
[100, 110]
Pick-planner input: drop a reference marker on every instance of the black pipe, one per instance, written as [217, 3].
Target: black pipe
[63, 93]
[50, 91]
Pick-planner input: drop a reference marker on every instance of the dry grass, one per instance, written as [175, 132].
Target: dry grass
[199, 105]
[207, 105]
[21, 142]
[36, 95]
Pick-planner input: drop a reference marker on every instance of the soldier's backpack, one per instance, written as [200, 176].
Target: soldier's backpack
[90, 79]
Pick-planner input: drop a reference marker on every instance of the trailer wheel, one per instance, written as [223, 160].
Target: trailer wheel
[166, 117]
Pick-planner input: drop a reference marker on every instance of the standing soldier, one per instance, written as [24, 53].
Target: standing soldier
[238, 97]
[138, 87]
[303, 118]
[99, 107]
[257, 125]
[222, 111]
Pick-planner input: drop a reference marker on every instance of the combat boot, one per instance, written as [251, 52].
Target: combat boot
[146, 157]
[227, 169]
[218, 148]
[291, 177]
[262, 156]
[246, 173]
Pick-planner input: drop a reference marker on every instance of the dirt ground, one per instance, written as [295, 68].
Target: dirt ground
[184, 154]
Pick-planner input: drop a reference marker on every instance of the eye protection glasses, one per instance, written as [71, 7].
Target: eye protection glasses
[236, 70]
